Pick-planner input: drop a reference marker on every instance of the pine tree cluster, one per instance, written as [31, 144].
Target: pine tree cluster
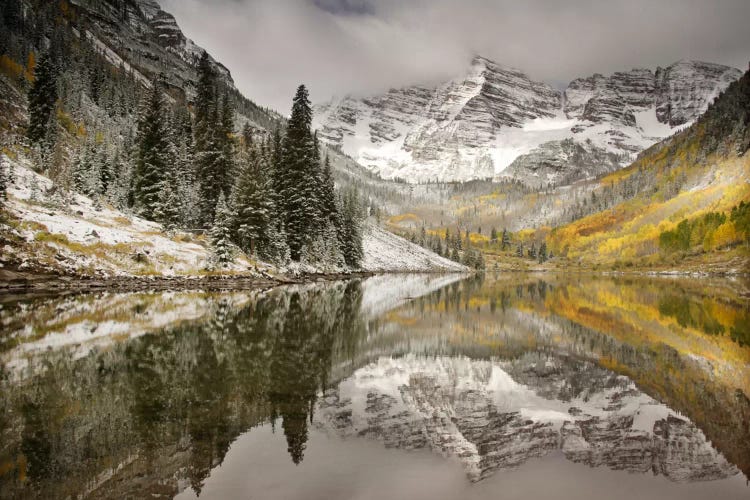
[146, 149]
[157, 149]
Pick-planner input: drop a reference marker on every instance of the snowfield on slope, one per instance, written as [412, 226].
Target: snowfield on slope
[387, 252]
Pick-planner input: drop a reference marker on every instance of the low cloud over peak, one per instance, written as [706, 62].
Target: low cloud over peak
[364, 46]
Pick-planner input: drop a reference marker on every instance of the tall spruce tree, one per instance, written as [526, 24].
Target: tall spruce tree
[169, 209]
[506, 240]
[297, 176]
[153, 146]
[225, 167]
[221, 236]
[253, 205]
[543, 252]
[42, 99]
[350, 232]
[328, 208]
[276, 147]
[207, 142]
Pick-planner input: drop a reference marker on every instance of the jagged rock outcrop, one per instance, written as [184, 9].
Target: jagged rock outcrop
[146, 39]
[562, 162]
[477, 125]
[686, 88]
[494, 415]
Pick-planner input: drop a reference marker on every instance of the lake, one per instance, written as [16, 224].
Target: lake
[402, 386]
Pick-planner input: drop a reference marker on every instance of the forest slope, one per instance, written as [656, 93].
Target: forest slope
[688, 202]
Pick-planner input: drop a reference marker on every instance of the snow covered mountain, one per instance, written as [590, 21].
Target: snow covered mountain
[495, 121]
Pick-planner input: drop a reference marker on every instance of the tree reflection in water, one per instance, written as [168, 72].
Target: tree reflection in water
[151, 414]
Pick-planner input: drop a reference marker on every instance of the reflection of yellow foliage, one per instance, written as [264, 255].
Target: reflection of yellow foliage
[30, 66]
[631, 314]
[401, 319]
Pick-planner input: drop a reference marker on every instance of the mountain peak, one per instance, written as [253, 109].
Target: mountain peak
[477, 125]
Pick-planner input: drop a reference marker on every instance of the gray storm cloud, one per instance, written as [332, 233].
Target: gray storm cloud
[338, 47]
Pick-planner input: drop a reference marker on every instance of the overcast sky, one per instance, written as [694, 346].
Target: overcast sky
[339, 47]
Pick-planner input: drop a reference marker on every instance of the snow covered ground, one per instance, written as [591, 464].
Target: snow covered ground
[387, 252]
[79, 236]
[83, 237]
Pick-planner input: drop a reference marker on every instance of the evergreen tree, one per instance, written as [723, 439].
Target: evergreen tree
[169, 209]
[253, 206]
[543, 252]
[42, 99]
[185, 186]
[106, 171]
[493, 235]
[454, 255]
[209, 148]
[506, 240]
[532, 251]
[221, 235]
[519, 250]
[479, 261]
[205, 98]
[297, 176]
[225, 167]
[328, 195]
[350, 231]
[276, 172]
[82, 169]
[153, 159]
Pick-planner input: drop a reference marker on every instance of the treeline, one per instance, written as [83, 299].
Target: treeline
[450, 246]
[469, 248]
[709, 231]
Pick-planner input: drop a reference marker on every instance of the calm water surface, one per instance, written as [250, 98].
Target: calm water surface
[392, 387]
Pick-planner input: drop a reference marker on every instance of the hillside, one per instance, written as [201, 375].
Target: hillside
[86, 239]
[147, 160]
[688, 199]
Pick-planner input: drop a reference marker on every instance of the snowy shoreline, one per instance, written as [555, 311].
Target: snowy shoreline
[15, 282]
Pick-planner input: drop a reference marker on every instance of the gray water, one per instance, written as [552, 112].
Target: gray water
[392, 387]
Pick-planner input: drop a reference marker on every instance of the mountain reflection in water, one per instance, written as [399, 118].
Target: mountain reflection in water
[146, 394]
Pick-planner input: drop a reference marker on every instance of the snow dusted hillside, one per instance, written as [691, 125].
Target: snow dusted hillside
[76, 235]
[496, 121]
[387, 252]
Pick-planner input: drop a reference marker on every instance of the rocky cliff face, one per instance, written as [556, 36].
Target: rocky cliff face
[685, 89]
[494, 117]
[136, 37]
[493, 415]
[144, 38]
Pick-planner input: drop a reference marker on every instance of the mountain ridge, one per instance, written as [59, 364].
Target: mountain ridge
[486, 121]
